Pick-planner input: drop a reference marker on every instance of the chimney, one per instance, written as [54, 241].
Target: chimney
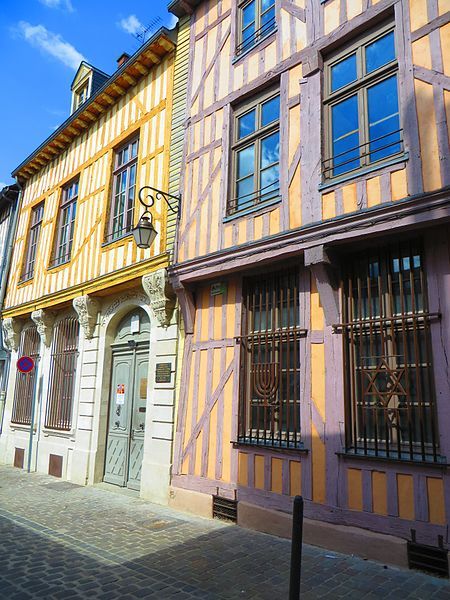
[122, 59]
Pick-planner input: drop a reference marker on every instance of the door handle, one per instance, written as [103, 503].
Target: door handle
[132, 434]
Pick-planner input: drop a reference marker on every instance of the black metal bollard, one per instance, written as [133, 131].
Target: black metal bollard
[296, 549]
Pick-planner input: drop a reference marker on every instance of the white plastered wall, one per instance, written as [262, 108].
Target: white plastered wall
[83, 448]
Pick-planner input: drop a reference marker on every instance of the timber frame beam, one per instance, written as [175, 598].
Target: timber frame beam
[423, 210]
[187, 305]
[324, 270]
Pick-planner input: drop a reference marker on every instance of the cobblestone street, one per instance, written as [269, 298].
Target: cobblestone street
[59, 540]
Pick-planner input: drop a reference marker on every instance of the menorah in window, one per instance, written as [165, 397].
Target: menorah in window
[270, 362]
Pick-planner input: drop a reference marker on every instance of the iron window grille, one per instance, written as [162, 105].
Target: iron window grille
[64, 357]
[269, 410]
[361, 107]
[124, 190]
[37, 215]
[389, 383]
[256, 153]
[256, 21]
[66, 224]
[23, 392]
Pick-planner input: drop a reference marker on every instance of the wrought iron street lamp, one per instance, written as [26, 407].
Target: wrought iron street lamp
[144, 233]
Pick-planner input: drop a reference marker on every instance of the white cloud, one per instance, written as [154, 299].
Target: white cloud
[3, 184]
[172, 20]
[63, 4]
[131, 24]
[50, 43]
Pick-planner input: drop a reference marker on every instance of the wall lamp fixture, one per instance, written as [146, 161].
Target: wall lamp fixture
[144, 233]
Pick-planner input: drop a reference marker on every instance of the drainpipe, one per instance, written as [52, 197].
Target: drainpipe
[4, 272]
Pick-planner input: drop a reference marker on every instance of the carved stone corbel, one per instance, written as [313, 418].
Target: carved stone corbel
[12, 328]
[161, 295]
[44, 320]
[87, 309]
[319, 262]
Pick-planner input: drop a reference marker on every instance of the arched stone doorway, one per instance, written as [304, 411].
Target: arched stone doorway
[128, 400]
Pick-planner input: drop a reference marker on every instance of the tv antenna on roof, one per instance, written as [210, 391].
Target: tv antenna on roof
[143, 34]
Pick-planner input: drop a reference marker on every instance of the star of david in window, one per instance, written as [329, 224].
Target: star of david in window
[385, 383]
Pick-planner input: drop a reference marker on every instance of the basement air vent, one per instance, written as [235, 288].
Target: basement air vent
[225, 509]
[431, 559]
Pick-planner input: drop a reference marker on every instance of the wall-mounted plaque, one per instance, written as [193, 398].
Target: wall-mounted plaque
[218, 288]
[163, 373]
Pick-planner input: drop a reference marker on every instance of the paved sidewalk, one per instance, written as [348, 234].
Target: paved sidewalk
[59, 540]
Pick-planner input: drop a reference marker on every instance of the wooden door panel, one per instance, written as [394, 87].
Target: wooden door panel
[120, 412]
[138, 419]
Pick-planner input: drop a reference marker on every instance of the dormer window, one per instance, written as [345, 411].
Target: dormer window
[87, 81]
[81, 92]
[81, 96]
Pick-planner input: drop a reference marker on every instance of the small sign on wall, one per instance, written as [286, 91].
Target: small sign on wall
[163, 372]
[120, 394]
[218, 288]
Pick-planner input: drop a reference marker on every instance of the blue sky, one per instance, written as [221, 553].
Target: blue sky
[41, 45]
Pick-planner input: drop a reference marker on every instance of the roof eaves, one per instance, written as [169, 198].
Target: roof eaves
[9, 193]
[163, 31]
[180, 8]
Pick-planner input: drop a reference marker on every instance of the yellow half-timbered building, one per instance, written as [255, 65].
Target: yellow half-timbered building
[91, 308]
[313, 270]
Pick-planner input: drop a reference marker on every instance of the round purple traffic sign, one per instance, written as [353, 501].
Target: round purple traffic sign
[25, 364]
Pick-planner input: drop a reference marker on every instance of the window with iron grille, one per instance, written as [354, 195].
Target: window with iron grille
[66, 224]
[390, 401]
[362, 118]
[256, 152]
[37, 215]
[124, 190]
[62, 374]
[30, 342]
[269, 412]
[256, 21]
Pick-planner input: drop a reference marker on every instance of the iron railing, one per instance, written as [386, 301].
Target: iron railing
[256, 36]
[118, 233]
[25, 382]
[60, 259]
[269, 412]
[330, 165]
[62, 375]
[390, 399]
[268, 192]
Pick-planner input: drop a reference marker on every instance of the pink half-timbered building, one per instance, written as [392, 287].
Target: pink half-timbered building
[313, 269]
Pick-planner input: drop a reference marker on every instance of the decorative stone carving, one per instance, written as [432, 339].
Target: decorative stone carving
[11, 332]
[87, 309]
[129, 297]
[162, 298]
[44, 320]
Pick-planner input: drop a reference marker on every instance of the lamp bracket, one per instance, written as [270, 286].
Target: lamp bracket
[148, 196]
